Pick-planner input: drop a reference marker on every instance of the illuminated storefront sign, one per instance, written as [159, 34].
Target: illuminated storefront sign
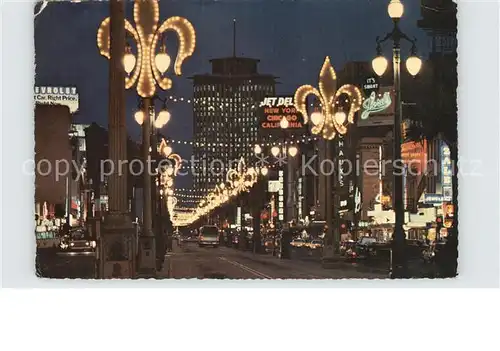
[357, 201]
[433, 199]
[446, 172]
[238, 216]
[377, 108]
[342, 162]
[273, 186]
[414, 154]
[273, 110]
[370, 85]
[376, 104]
[66, 96]
[345, 185]
[414, 157]
[299, 192]
[281, 197]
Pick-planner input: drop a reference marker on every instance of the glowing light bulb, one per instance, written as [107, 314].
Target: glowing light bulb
[395, 9]
[379, 65]
[167, 150]
[316, 118]
[275, 151]
[163, 118]
[257, 149]
[162, 60]
[157, 123]
[264, 171]
[292, 151]
[128, 60]
[413, 65]
[340, 117]
[139, 117]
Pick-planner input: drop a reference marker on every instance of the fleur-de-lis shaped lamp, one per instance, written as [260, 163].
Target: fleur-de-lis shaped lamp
[149, 68]
[165, 150]
[241, 179]
[332, 119]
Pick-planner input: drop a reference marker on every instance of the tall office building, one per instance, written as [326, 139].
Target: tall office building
[225, 112]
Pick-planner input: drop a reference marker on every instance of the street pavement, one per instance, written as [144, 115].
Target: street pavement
[190, 261]
[58, 265]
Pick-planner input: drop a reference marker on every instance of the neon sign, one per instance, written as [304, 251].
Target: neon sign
[446, 172]
[357, 201]
[373, 105]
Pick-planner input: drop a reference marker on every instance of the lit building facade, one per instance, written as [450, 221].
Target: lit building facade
[225, 112]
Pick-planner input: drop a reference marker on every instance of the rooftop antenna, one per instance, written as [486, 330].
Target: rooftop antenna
[234, 37]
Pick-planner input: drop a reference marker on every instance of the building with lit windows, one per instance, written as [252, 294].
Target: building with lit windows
[225, 112]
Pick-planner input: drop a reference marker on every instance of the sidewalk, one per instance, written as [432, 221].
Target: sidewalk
[178, 265]
[167, 268]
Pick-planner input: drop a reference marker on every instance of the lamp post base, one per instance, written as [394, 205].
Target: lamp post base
[117, 247]
[328, 252]
[147, 257]
[398, 264]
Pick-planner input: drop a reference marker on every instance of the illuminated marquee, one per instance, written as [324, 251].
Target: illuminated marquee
[66, 96]
[273, 110]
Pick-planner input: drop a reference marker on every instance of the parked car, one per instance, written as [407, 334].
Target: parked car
[190, 237]
[269, 244]
[77, 241]
[316, 244]
[298, 242]
[365, 247]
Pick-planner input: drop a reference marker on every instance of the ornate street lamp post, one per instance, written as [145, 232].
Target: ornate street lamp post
[116, 247]
[145, 72]
[332, 120]
[156, 123]
[413, 65]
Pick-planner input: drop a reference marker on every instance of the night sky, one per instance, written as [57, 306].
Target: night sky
[291, 38]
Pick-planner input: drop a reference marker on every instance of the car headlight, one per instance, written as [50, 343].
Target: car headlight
[87, 243]
[72, 244]
[93, 244]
